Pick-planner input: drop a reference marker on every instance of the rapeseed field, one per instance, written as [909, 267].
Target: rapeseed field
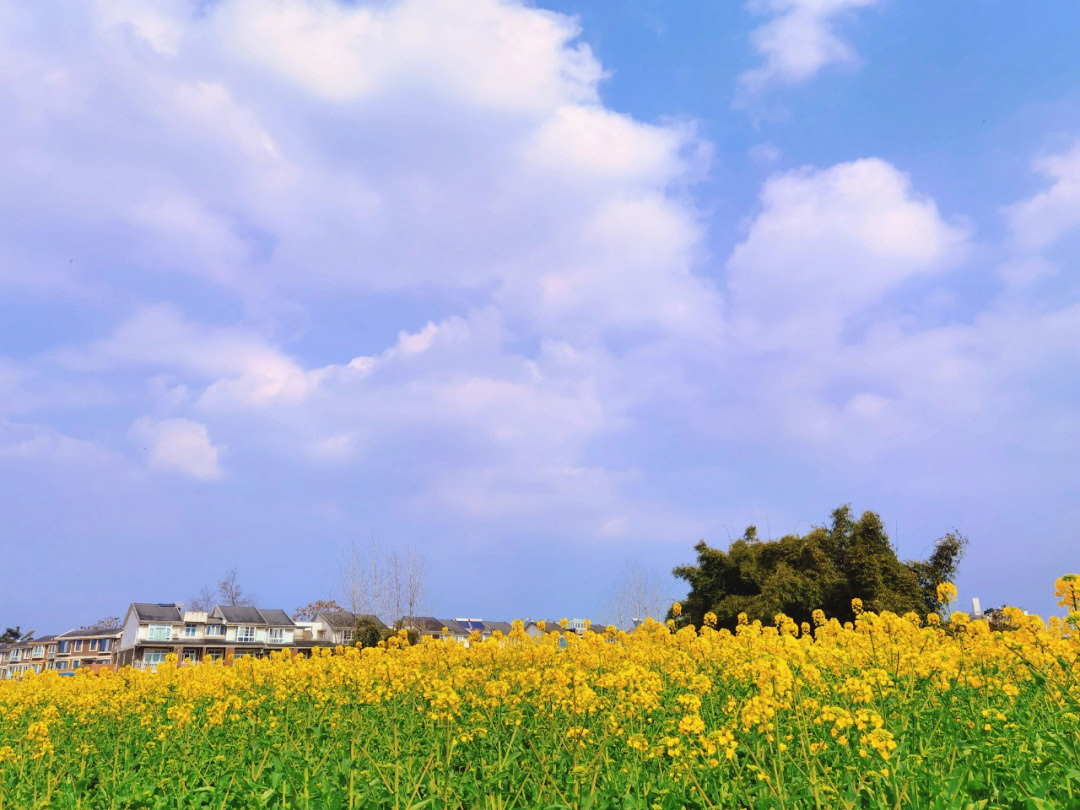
[889, 711]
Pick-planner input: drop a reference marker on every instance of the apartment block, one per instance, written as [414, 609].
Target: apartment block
[153, 630]
[28, 654]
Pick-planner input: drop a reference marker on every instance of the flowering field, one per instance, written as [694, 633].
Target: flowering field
[890, 712]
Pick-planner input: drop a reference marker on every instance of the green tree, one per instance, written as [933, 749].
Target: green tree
[368, 632]
[825, 568]
[10, 634]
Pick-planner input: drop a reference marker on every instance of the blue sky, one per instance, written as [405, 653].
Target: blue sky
[538, 290]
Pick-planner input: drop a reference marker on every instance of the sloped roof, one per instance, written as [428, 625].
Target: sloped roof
[240, 614]
[275, 617]
[549, 626]
[248, 614]
[157, 611]
[429, 624]
[92, 632]
[502, 627]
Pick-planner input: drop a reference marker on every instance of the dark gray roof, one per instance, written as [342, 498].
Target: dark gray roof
[240, 614]
[157, 611]
[429, 624]
[277, 618]
[550, 626]
[502, 627]
[247, 614]
[92, 632]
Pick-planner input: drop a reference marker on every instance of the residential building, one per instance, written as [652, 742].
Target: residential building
[28, 654]
[339, 626]
[86, 647]
[151, 631]
[484, 628]
[433, 628]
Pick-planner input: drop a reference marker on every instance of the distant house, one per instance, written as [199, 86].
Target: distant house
[532, 628]
[153, 630]
[433, 628]
[484, 628]
[86, 647]
[28, 654]
[339, 626]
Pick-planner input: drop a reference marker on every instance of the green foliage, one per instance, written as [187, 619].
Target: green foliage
[368, 632]
[826, 568]
[10, 634]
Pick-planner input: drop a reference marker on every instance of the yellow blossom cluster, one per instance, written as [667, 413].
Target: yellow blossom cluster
[691, 716]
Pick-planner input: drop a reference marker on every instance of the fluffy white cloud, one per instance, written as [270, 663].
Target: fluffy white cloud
[178, 445]
[798, 41]
[281, 153]
[284, 149]
[563, 359]
[829, 242]
[1046, 216]
[831, 348]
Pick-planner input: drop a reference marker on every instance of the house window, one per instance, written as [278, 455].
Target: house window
[158, 632]
[277, 635]
[191, 630]
[63, 646]
[16, 655]
[152, 658]
[75, 663]
[61, 664]
[39, 651]
[191, 656]
[347, 635]
[245, 633]
[78, 645]
[215, 630]
[215, 654]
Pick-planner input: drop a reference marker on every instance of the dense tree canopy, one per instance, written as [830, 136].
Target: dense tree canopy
[826, 568]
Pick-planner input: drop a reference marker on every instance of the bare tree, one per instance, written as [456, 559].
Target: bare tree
[309, 611]
[415, 581]
[204, 601]
[105, 624]
[406, 583]
[228, 592]
[360, 585]
[639, 594]
[390, 584]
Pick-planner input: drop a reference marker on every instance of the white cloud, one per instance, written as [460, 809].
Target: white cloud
[178, 445]
[289, 149]
[829, 242]
[564, 349]
[856, 243]
[798, 41]
[485, 53]
[1046, 216]
[42, 442]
